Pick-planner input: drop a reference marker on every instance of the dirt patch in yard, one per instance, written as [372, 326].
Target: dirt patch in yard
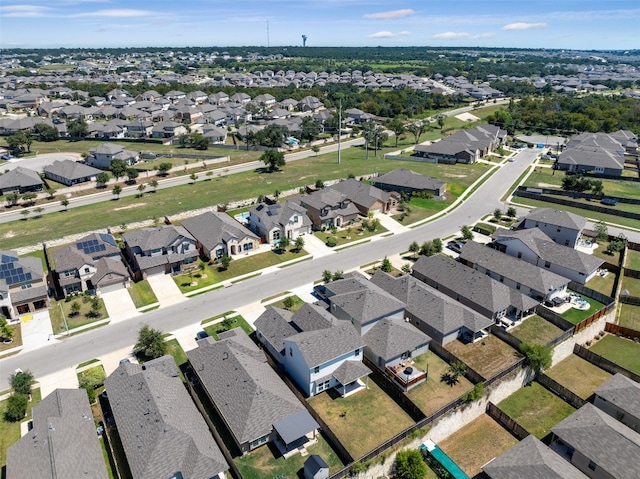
[130, 207]
[9, 234]
[451, 175]
[546, 185]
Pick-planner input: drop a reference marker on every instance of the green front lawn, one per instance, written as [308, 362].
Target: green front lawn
[549, 178]
[575, 316]
[174, 349]
[363, 420]
[238, 267]
[536, 409]
[142, 294]
[10, 431]
[536, 330]
[74, 320]
[629, 316]
[578, 375]
[297, 303]
[349, 234]
[17, 338]
[225, 325]
[621, 351]
[266, 461]
[420, 208]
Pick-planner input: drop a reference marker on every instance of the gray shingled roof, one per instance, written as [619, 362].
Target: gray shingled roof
[19, 178]
[468, 283]
[71, 170]
[548, 250]
[531, 276]
[279, 214]
[311, 317]
[322, 345]
[214, 228]
[610, 444]
[274, 324]
[62, 443]
[554, 216]
[246, 391]
[409, 179]
[152, 238]
[161, 430]
[622, 392]
[367, 304]
[109, 271]
[70, 257]
[350, 371]
[390, 337]
[361, 193]
[531, 459]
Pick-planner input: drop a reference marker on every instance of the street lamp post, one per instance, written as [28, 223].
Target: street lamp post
[64, 320]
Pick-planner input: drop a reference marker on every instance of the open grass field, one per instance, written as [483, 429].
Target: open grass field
[17, 338]
[266, 461]
[623, 352]
[74, 320]
[575, 316]
[238, 267]
[221, 190]
[578, 376]
[236, 321]
[142, 294]
[629, 316]
[488, 356]
[433, 394]
[477, 443]
[536, 330]
[536, 409]
[361, 421]
[10, 431]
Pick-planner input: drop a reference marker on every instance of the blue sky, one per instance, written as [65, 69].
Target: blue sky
[571, 24]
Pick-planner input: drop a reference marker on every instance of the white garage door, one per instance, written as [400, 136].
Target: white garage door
[111, 287]
[156, 270]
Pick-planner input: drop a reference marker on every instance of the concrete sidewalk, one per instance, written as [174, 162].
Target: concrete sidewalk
[389, 223]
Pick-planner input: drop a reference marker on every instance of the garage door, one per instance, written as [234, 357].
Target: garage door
[156, 270]
[111, 287]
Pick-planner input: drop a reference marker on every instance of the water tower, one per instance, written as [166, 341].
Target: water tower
[304, 40]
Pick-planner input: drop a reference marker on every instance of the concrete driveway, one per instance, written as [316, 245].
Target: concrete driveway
[388, 222]
[119, 305]
[315, 247]
[36, 330]
[166, 289]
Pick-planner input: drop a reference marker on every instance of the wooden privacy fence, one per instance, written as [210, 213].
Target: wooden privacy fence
[604, 363]
[554, 318]
[471, 374]
[590, 320]
[559, 390]
[506, 421]
[621, 330]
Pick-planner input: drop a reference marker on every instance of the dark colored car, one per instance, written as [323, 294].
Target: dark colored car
[201, 335]
[455, 246]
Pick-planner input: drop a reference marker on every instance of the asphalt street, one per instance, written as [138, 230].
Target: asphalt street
[76, 349]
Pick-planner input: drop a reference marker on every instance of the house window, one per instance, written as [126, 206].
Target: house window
[357, 352]
[247, 246]
[592, 465]
[295, 219]
[518, 286]
[547, 264]
[519, 254]
[290, 351]
[276, 235]
[25, 286]
[316, 370]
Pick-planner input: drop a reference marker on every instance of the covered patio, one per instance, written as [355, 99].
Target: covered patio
[295, 433]
[348, 375]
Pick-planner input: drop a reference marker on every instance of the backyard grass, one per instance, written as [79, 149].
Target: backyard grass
[632, 285]
[601, 252]
[578, 375]
[232, 322]
[477, 443]
[488, 356]
[633, 259]
[39, 254]
[433, 394]
[74, 320]
[575, 316]
[361, 421]
[10, 431]
[297, 303]
[603, 284]
[349, 234]
[17, 338]
[266, 461]
[238, 267]
[629, 316]
[142, 294]
[536, 330]
[623, 352]
[536, 409]
[220, 190]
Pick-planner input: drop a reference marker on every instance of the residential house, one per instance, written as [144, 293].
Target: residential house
[539, 283]
[595, 152]
[319, 351]
[168, 129]
[465, 146]
[62, 441]
[217, 135]
[280, 220]
[628, 139]
[327, 208]
[561, 226]
[597, 444]
[535, 247]
[140, 128]
[240, 97]
[367, 198]
[162, 432]
[160, 250]
[23, 286]
[102, 155]
[20, 180]
[472, 288]
[310, 103]
[70, 172]
[531, 458]
[217, 234]
[408, 181]
[252, 401]
[620, 398]
[433, 312]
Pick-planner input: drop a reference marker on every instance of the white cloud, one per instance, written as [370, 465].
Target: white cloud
[451, 35]
[391, 14]
[24, 11]
[524, 26]
[119, 13]
[387, 34]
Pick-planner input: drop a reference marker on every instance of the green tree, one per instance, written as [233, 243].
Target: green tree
[315, 149]
[538, 356]
[299, 244]
[440, 121]
[118, 168]
[406, 268]
[90, 380]
[597, 188]
[512, 212]
[497, 214]
[77, 129]
[46, 132]
[117, 189]
[386, 265]
[397, 127]
[225, 261]
[21, 382]
[616, 245]
[95, 308]
[414, 248]
[141, 188]
[150, 342]
[474, 394]
[193, 177]
[288, 302]
[283, 244]
[132, 174]
[337, 275]
[602, 232]
[153, 184]
[75, 308]
[416, 129]
[410, 465]
[65, 202]
[29, 197]
[273, 159]
[310, 128]
[199, 141]
[12, 198]
[327, 276]
[102, 179]
[427, 249]
[16, 407]
[437, 245]
[6, 333]
[25, 214]
[273, 136]
[163, 168]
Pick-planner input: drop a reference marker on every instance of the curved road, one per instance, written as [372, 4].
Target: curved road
[76, 349]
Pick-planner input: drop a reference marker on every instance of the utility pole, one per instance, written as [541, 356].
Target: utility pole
[267, 33]
[339, 129]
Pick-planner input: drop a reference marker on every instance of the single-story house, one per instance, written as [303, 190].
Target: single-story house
[20, 180]
[70, 172]
[408, 181]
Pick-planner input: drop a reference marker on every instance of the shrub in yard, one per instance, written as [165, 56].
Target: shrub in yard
[538, 356]
[331, 242]
[288, 302]
[410, 465]
[16, 407]
[21, 382]
[484, 229]
[474, 394]
[150, 342]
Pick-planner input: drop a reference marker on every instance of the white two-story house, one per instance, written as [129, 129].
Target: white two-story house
[281, 220]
